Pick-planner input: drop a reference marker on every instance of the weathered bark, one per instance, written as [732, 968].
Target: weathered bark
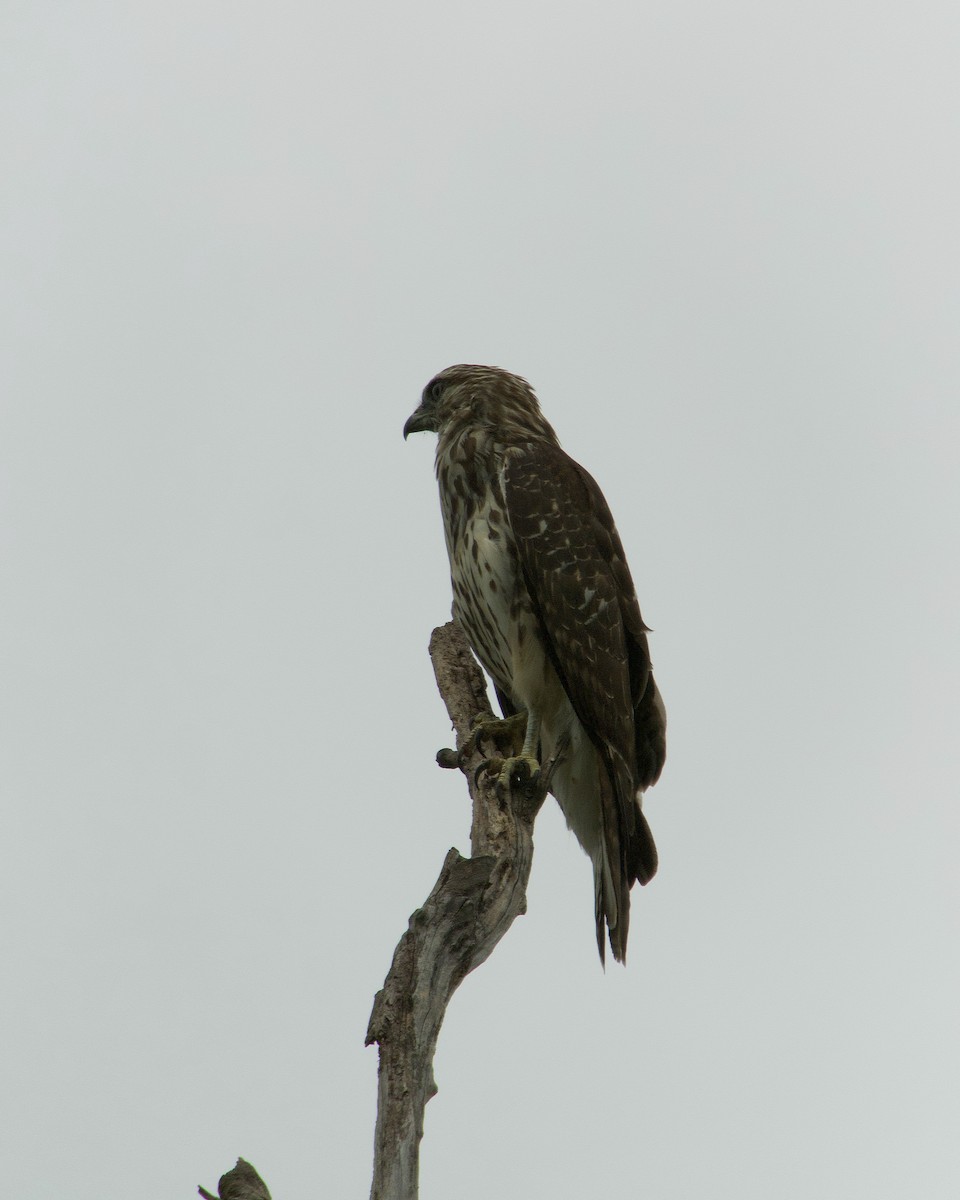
[471, 907]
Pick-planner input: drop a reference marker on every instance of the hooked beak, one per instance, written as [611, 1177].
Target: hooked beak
[420, 422]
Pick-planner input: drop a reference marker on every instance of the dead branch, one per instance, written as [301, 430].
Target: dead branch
[473, 904]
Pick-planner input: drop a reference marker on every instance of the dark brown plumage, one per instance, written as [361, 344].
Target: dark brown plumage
[543, 592]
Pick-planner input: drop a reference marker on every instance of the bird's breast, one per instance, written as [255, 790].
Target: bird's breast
[487, 590]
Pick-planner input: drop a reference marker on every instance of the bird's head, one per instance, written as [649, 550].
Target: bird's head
[467, 398]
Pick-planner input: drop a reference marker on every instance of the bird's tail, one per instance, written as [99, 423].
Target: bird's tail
[604, 904]
[626, 854]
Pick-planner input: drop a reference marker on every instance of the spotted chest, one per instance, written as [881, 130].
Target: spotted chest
[489, 599]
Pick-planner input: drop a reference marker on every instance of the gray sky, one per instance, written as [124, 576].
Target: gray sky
[722, 242]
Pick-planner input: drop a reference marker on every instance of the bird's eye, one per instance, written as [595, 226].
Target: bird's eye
[436, 391]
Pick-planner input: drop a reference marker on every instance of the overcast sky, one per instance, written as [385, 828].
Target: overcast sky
[721, 240]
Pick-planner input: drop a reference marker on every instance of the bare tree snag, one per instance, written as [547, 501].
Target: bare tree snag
[471, 907]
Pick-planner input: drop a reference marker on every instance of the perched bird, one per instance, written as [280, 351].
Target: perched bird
[543, 593]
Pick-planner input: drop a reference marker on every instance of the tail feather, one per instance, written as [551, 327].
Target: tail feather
[614, 872]
[598, 793]
[600, 912]
[642, 856]
[627, 854]
[610, 903]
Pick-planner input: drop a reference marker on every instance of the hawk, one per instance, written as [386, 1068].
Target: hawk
[543, 593]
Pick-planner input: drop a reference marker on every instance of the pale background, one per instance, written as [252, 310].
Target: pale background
[721, 239]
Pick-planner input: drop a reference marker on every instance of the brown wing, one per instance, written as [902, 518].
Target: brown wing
[578, 580]
[649, 715]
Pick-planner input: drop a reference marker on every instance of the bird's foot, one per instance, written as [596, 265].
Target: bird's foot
[519, 782]
[519, 771]
[519, 774]
[505, 734]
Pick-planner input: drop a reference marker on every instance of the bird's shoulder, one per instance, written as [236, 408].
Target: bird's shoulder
[547, 492]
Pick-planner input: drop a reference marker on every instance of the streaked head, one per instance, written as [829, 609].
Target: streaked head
[476, 397]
